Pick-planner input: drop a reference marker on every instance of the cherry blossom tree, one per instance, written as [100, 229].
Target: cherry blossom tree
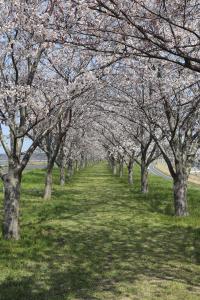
[118, 100]
[162, 103]
[161, 29]
[70, 69]
[171, 114]
[27, 33]
[126, 73]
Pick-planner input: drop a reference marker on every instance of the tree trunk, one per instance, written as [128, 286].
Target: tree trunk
[180, 195]
[121, 168]
[130, 172]
[76, 165]
[144, 178]
[70, 168]
[86, 163]
[48, 183]
[113, 165]
[62, 175]
[114, 169]
[12, 185]
[82, 164]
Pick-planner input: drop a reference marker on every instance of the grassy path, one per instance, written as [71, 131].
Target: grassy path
[100, 239]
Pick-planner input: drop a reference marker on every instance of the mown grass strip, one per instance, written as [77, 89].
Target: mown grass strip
[98, 238]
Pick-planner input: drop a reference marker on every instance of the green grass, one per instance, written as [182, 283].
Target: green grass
[100, 239]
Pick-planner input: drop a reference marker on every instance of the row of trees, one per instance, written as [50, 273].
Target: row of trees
[85, 78]
[157, 108]
[45, 88]
[156, 78]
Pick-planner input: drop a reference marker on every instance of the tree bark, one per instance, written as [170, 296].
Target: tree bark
[130, 172]
[113, 165]
[48, 183]
[70, 168]
[62, 175]
[82, 165]
[76, 165]
[144, 178]
[180, 195]
[114, 169]
[12, 185]
[86, 163]
[121, 168]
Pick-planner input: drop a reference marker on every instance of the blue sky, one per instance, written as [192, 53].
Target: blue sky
[27, 142]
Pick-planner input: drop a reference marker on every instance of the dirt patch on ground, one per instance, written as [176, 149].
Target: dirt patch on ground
[193, 178]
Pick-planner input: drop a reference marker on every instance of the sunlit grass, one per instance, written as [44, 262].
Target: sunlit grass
[100, 239]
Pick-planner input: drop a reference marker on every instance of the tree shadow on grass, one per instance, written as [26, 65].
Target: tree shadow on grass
[160, 196]
[85, 262]
[84, 245]
[33, 177]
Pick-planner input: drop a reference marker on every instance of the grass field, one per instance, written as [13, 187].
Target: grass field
[100, 239]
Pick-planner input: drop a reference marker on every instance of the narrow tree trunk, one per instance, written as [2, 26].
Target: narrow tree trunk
[70, 168]
[121, 168]
[130, 172]
[76, 165]
[73, 168]
[86, 163]
[113, 165]
[48, 183]
[62, 175]
[180, 195]
[12, 184]
[114, 169]
[144, 178]
[82, 164]
[109, 159]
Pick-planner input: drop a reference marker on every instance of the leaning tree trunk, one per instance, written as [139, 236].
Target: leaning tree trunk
[48, 183]
[144, 178]
[12, 185]
[180, 195]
